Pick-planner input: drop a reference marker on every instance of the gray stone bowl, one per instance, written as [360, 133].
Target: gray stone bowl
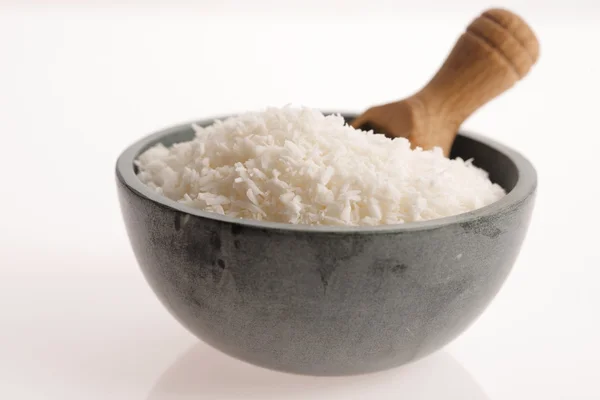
[327, 300]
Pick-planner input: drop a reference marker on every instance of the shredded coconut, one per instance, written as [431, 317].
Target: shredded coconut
[295, 165]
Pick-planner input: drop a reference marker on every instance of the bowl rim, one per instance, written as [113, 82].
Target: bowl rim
[526, 185]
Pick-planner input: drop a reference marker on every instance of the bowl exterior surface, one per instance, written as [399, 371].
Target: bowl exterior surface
[322, 303]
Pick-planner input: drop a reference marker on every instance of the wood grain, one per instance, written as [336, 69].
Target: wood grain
[496, 50]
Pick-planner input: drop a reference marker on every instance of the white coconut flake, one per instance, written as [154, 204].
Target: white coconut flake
[295, 165]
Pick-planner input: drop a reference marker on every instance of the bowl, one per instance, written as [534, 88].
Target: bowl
[323, 300]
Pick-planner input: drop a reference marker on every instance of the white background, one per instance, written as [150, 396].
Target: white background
[79, 81]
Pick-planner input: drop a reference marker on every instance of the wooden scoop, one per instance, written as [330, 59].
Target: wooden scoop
[497, 50]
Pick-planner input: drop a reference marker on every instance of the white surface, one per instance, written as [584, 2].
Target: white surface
[79, 83]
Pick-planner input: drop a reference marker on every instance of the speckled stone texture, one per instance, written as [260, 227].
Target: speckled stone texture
[329, 301]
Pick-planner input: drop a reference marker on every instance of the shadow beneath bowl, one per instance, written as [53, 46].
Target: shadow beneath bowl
[205, 373]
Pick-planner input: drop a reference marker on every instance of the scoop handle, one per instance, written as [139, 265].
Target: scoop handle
[497, 49]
